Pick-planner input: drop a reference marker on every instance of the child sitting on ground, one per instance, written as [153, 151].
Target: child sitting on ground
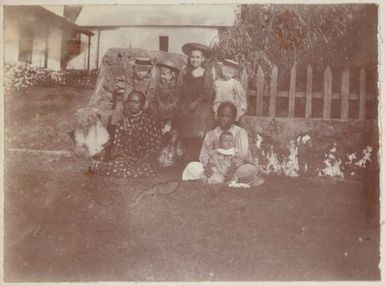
[227, 88]
[224, 160]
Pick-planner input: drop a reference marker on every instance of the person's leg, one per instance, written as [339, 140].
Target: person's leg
[248, 174]
[192, 147]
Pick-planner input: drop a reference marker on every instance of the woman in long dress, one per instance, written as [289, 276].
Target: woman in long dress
[196, 94]
[136, 144]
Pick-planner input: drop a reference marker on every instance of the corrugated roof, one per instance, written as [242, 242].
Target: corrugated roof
[157, 15]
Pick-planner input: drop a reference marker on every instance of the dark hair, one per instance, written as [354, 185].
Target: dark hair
[141, 94]
[228, 105]
[225, 133]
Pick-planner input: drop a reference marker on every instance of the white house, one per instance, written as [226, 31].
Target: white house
[154, 27]
[37, 36]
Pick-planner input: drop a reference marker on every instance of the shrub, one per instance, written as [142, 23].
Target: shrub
[21, 76]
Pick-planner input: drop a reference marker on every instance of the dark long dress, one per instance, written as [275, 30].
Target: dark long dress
[197, 122]
[135, 136]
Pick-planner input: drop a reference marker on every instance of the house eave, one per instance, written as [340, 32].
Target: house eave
[43, 13]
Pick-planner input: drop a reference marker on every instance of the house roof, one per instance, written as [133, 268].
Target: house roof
[219, 15]
[38, 13]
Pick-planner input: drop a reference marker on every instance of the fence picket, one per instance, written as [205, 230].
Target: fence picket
[273, 92]
[293, 74]
[244, 79]
[327, 93]
[259, 100]
[345, 91]
[362, 98]
[309, 91]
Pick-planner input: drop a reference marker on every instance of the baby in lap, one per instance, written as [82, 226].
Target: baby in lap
[224, 160]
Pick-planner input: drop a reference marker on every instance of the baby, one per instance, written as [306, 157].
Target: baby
[223, 160]
[227, 88]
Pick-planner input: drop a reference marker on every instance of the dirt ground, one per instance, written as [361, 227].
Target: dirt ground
[61, 225]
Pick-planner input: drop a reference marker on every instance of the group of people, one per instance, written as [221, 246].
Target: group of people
[194, 109]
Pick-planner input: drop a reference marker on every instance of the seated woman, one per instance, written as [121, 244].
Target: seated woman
[246, 173]
[136, 144]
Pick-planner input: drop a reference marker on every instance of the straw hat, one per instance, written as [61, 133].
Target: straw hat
[189, 47]
[143, 62]
[230, 63]
[168, 64]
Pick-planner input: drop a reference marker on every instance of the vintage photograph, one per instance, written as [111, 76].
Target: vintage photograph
[191, 142]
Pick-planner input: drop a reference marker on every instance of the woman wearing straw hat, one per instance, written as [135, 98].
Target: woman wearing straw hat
[196, 94]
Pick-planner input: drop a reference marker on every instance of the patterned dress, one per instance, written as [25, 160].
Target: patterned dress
[135, 137]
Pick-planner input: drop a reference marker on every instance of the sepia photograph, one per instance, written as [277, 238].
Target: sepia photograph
[191, 142]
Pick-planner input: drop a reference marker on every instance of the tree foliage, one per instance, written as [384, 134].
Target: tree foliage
[340, 36]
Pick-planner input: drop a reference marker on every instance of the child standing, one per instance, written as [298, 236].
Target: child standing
[227, 88]
[141, 80]
[196, 92]
[165, 100]
[164, 108]
[223, 160]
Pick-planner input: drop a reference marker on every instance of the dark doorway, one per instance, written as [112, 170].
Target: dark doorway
[163, 43]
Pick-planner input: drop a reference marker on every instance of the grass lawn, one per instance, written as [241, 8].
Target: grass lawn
[61, 225]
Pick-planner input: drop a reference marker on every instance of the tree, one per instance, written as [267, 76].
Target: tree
[343, 35]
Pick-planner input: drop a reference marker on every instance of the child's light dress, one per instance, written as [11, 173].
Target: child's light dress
[230, 90]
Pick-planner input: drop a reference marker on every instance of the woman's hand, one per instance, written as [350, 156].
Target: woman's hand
[192, 106]
[208, 170]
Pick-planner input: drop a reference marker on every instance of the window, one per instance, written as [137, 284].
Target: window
[25, 45]
[163, 43]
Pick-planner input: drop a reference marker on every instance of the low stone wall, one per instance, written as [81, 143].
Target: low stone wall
[313, 147]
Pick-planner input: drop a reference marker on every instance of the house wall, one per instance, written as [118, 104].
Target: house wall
[140, 37]
[39, 30]
[54, 48]
[39, 42]
[11, 41]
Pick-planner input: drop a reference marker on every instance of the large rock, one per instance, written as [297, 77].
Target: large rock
[118, 63]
